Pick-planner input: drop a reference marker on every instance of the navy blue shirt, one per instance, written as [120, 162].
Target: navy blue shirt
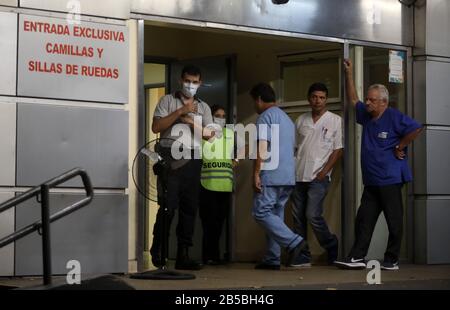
[379, 165]
[279, 168]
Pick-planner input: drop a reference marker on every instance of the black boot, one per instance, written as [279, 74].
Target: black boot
[155, 252]
[183, 260]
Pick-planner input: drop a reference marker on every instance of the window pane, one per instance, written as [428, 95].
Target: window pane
[297, 77]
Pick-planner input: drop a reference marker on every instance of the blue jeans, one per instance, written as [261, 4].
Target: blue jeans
[307, 201]
[268, 211]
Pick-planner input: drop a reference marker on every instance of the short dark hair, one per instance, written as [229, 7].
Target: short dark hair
[317, 87]
[263, 91]
[191, 70]
[217, 107]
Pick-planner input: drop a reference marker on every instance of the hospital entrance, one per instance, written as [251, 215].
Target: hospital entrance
[232, 61]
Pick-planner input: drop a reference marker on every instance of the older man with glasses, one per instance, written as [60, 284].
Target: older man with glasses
[386, 134]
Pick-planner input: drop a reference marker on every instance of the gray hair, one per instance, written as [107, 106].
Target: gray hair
[384, 93]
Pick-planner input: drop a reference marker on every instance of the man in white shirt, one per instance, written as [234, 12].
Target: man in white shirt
[319, 146]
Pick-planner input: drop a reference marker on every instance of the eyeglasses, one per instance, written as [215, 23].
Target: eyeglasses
[373, 99]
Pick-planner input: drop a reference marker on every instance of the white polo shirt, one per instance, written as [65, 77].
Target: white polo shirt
[315, 143]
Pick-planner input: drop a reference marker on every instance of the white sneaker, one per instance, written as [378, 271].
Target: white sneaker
[351, 263]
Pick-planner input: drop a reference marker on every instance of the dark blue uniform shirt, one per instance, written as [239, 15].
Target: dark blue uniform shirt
[379, 165]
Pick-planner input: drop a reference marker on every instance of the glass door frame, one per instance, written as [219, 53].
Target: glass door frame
[348, 182]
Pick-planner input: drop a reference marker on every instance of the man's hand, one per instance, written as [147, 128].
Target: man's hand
[399, 152]
[188, 107]
[211, 132]
[321, 176]
[208, 134]
[352, 96]
[257, 183]
[348, 66]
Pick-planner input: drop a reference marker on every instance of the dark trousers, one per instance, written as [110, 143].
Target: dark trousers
[377, 199]
[307, 199]
[183, 186]
[214, 207]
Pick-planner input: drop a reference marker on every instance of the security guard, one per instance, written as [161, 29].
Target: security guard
[217, 185]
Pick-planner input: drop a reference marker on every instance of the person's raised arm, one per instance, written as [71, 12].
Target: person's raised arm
[352, 96]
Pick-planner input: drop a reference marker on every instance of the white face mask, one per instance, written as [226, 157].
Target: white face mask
[219, 121]
[190, 89]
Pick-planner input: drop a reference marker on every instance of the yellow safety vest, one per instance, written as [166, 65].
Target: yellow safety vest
[217, 167]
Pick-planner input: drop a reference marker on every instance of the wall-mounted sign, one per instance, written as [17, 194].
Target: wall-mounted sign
[396, 59]
[84, 61]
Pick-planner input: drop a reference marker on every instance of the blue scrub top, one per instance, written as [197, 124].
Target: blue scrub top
[379, 165]
[284, 172]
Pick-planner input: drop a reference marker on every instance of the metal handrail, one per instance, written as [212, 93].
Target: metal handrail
[46, 219]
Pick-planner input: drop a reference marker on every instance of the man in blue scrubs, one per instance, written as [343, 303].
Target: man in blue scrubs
[386, 134]
[274, 177]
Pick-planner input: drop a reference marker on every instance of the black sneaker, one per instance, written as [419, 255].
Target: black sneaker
[301, 261]
[390, 265]
[156, 257]
[295, 253]
[351, 263]
[266, 266]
